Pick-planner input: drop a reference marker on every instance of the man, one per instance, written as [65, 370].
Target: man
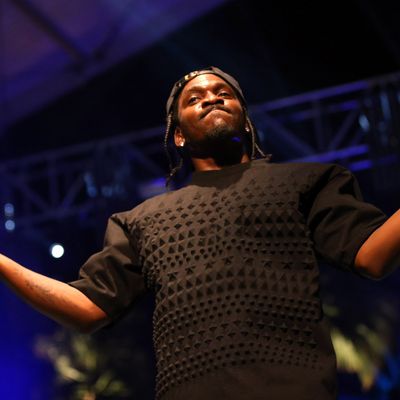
[231, 259]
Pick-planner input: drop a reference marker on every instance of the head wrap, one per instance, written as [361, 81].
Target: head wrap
[179, 85]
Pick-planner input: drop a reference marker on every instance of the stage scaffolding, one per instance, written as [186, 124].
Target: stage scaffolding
[356, 125]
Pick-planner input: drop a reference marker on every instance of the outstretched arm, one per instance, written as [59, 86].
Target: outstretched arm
[380, 253]
[58, 300]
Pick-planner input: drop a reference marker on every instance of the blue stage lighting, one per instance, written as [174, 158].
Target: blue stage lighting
[9, 225]
[9, 210]
[56, 250]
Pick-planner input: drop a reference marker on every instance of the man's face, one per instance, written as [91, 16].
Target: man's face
[208, 109]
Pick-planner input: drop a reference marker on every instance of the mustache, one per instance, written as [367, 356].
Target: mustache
[212, 108]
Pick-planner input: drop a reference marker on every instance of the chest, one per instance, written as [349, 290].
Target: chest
[209, 227]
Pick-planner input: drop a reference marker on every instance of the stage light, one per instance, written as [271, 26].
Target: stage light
[9, 225]
[90, 184]
[364, 123]
[56, 250]
[9, 210]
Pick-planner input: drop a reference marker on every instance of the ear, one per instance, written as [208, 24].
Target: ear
[179, 139]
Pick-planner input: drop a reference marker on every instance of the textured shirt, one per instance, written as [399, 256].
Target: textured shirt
[232, 261]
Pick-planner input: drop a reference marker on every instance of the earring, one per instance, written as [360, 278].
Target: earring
[247, 129]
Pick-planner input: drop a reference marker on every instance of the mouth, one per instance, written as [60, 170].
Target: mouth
[214, 108]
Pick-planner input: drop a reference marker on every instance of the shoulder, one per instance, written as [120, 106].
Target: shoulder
[311, 169]
[315, 168]
[301, 173]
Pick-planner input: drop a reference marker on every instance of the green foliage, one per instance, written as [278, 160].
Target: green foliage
[80, 362]
[361, 346]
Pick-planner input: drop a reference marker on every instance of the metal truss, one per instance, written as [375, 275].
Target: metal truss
[77, 180]
[357, 125]
[354, 124]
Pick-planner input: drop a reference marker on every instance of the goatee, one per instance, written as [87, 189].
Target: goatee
[222, 143]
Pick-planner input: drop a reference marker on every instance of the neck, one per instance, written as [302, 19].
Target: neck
[209, 164]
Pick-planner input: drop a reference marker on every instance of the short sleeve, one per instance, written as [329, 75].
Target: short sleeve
[112, 278]
[339, 220]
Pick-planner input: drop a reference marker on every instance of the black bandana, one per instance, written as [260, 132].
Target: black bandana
[176, 90]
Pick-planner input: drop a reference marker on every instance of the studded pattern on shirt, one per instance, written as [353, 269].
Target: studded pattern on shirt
[232, 261]
[235, 278]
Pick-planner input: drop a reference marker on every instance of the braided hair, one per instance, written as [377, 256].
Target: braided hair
[170, 157]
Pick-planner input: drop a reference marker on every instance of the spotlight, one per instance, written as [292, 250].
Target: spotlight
[9, 225]
[9, 210]
[364, 123]
[56, 250]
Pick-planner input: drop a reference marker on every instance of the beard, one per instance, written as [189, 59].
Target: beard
[223, 142]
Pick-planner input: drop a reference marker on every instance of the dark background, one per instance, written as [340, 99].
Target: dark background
[275, 50]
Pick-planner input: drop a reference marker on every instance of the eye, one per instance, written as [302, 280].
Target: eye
[192, 99]
[225, 94]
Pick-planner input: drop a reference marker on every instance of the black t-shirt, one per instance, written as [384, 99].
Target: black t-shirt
[232, 261]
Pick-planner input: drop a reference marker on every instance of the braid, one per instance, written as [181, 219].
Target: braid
[255, 148]
[166, 139]
[253, 142]
[172, 169]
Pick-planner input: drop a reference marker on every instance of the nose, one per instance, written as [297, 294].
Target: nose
[211, 99]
